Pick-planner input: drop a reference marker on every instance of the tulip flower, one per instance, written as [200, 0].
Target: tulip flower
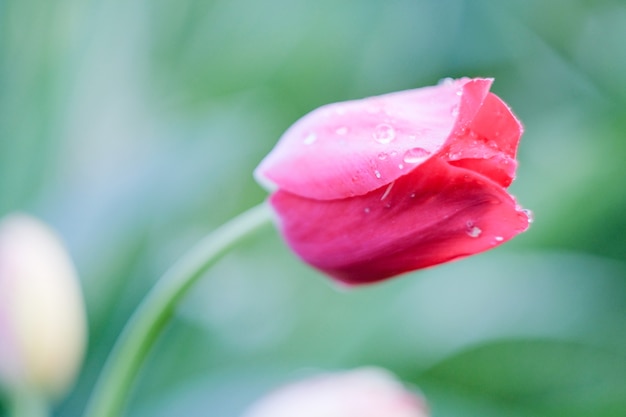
[42, 316]
[367, 392]
[368, 189]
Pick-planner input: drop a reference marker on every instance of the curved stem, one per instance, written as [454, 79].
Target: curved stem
[145, 325]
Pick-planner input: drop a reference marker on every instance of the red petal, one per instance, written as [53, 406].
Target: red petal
[488, 143]
[352, 148]
[435, 214]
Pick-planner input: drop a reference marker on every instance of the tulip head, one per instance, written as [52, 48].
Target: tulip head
[368, 189]
[42, 314]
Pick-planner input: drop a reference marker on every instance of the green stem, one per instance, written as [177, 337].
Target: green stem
[142, 330]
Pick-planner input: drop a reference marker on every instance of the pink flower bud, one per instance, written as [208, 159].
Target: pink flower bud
[366, 392]
[42, 315]
[368, 189]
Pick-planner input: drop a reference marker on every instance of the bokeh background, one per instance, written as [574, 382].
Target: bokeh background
[133, 126]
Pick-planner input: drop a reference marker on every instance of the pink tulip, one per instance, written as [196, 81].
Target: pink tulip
[368, 189]
[367, 392]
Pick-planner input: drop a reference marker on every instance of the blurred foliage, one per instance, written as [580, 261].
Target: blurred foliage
[133, 128]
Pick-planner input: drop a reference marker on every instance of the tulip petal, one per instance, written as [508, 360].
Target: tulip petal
[364, 392]
[352, 148]
[435, 214]
[488, 143]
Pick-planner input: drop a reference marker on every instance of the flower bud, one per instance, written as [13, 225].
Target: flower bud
[42, 314]
[366, 392]
[369, 189]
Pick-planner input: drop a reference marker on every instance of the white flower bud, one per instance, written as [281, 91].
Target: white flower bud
[42, 315]
[366, 392]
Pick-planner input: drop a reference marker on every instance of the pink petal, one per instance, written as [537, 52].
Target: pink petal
[488, 143]
[349, 149]
[364, 392]
[435, 214]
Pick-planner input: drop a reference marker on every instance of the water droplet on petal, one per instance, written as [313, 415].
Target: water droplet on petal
[382, 156]
[499, 238]
[416, 155]
[377, 173]
[459, 93]
[455, 111]
[366, 210]
[446, 81]
[342, 130]
[400, 166]
[493, 144]
[384, 133]
[310, 139]
[473, 230]
[412, 195]
[529, 214]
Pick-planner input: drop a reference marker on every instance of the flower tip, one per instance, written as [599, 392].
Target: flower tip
[529, 215]
[260, 176]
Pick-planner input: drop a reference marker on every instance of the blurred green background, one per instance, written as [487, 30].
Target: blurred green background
[132, 127]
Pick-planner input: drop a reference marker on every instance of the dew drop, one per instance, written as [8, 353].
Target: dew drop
[366, 210]
[400, 166]
[529, 214]
[412, 195]
[499, 238]
[342, 130]
[416, 155]
[310, 139]
[459, 93]
[493, 144]
[377, 173]
[473, 230]
[446, 81]
[455, 111]
[384, 133]
[382, 156]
